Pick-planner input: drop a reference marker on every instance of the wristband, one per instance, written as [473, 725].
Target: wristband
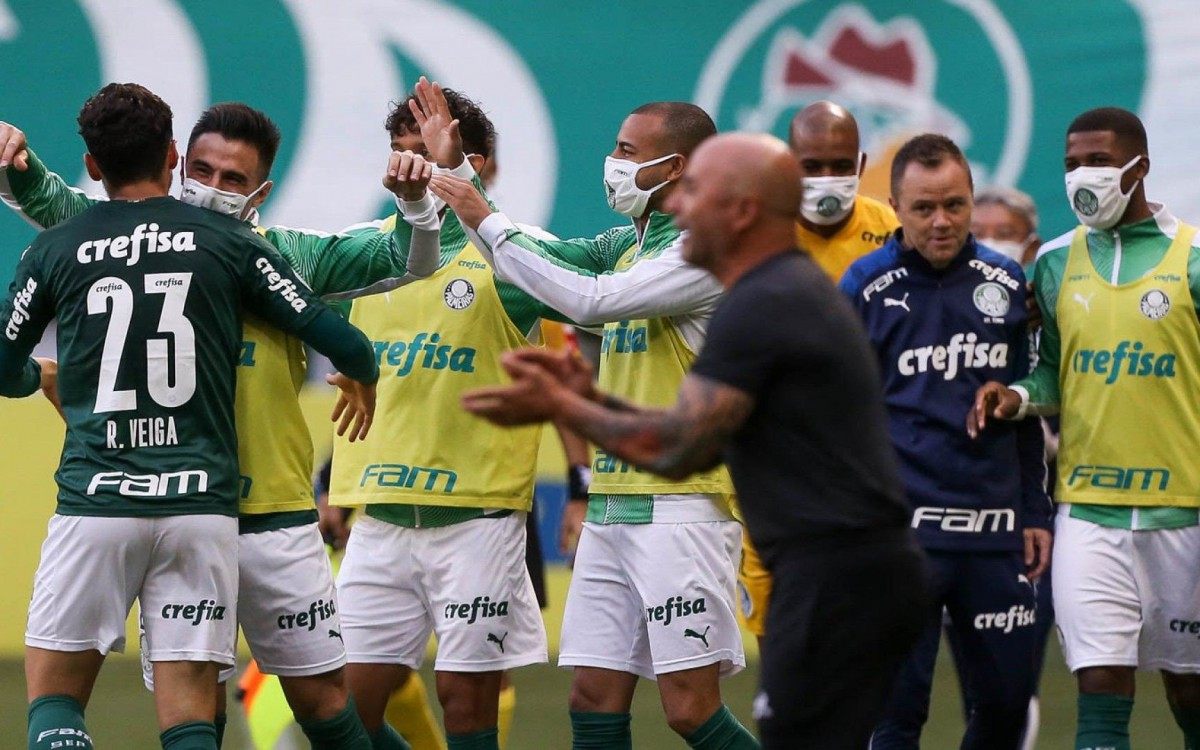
[579, 478]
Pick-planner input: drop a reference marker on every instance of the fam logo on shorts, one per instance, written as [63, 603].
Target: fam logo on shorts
[896, 65]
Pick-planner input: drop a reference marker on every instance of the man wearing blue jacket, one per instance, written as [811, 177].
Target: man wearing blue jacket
[946, 315]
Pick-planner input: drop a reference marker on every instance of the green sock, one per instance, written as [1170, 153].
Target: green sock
[486, 739]
[54, 719]
[722, 731]
[599, 731]
[388, 738]
[191, 735]
[342, 732]
[219, 723]
[1103, 722]
[1188, 720]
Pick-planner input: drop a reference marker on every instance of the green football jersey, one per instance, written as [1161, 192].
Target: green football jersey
[148, 296]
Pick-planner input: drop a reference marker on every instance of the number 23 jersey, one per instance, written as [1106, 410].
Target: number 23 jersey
[148, 297]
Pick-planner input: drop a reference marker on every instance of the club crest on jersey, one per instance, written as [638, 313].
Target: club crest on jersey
[991, 299]
[1155, 304]
[459, 294]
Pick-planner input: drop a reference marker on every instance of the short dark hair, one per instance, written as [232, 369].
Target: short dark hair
[685, 124]
[929, 150]
[1125, 124]
[235, 121]
[127, 130]
[478, 133]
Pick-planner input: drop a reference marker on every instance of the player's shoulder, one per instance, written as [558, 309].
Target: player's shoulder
[869, 267]
[617, 238]
[1052, 255]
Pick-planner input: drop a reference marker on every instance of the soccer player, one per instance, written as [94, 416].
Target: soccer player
[659, 554]
[284, 571]
[441, 544]
[836, 227]
[944, 316]
[146, 291]
[1119, 354]
[801, 421]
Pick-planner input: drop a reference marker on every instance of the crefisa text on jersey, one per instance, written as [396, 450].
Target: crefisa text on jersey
[144, 432]
[145, 238]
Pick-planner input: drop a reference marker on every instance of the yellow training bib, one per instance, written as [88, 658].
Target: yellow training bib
[644, 362]
[274, 447]
[435, 339]
[1129, 378]
[870, 225]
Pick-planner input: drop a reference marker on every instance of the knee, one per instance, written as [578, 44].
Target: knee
[1106, 681]
[686, 713]
[1183, 691]
[586, 698]
[469, 701]
[316, 697]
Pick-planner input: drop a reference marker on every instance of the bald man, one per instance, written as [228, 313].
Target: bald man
[836, 227]
[798, 417]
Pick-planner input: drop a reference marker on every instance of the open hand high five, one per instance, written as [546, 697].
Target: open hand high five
[438, 127]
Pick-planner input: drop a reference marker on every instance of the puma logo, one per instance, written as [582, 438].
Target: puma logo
[1085, 301]
[902, 302]
[498, 641]
[335, 634]
[689, 633]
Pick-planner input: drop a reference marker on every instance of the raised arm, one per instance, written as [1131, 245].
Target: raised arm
[365, 258]
[655, 287]
[38, 195]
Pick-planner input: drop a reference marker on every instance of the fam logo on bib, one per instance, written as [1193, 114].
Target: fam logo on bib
[897, 65]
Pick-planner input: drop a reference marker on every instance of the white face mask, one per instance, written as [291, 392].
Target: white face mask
[827, 200]
[620, 185]
[1012, 248]
[1095, 194]
[234, 204]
